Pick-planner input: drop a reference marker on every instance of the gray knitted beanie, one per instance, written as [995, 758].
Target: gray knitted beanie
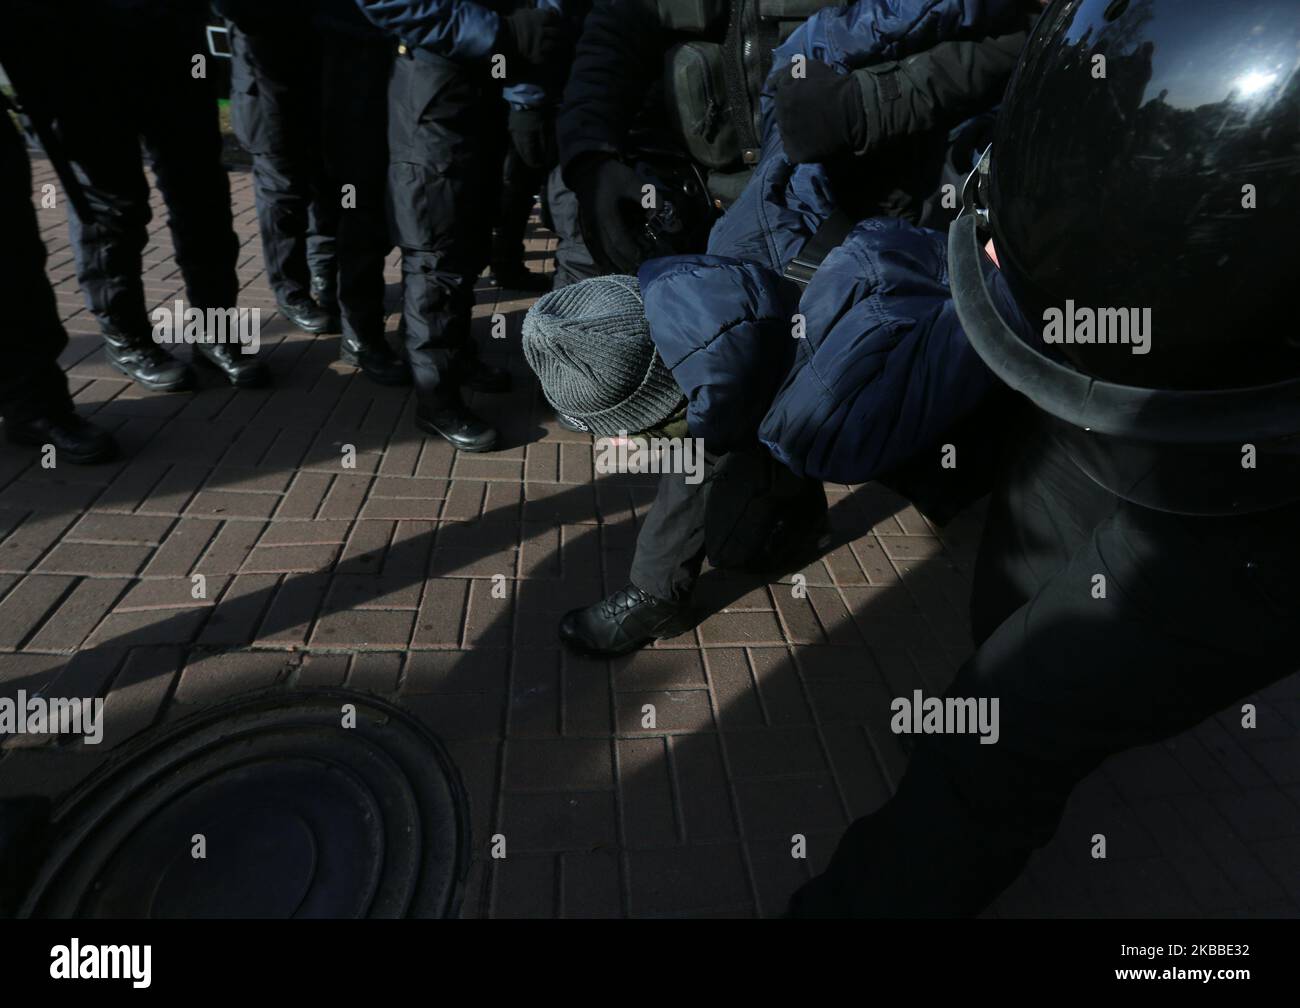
[589, 345]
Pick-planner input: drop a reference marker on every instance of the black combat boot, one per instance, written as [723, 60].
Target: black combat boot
[377, 359]
[305, 313]
[452, 419]
[144, 361]
[76, 440]
[240, 369]
[627, 620]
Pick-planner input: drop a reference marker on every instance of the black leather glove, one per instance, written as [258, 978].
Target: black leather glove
[532, 131]
[610, 212]
[534, 36]
[821, 114]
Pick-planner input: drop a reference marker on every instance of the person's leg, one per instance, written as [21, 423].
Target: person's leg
[656, 601]
[34, 399]
[573, 261]
[83, 110]
[435, 184]
[1191, 615]
[354, 131]
[519, 187]
[670, 544]
[182, 136]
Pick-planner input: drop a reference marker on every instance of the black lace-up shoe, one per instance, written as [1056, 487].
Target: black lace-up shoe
[149, 365]
[376, 359]
[240, 369]
[456, 422]
[627, 620]
[76, 440]
[306, 314]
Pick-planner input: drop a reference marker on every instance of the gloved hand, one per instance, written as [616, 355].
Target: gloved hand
[609, 207]
[533, 36]
[821, 114]
[532, 131]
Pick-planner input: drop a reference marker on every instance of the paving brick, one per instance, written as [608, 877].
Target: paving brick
[703, 788]
[94, 559]
[774, 752]
[140, 530]
[784, 806]
[25, 608]
[558, 765]
[375, 673]
[590, 885]
[746, 628]
[238, 610]
[525, 887]
[681, 880]
[442, 613]
[571, 821]
[77, 615]
[139, 692]
[289, 559]
[229, 548]
[674, 711]
[293, 610]
[180, 551]
[586, 707]
[212, 678]
[369, 628]
[280, 532]
[322, 670]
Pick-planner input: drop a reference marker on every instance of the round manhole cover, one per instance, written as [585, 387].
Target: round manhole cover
[320, 804]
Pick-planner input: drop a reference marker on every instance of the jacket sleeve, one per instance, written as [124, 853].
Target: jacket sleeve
[456, 29]
[617, 60]
[885, 369]
[729, 368]
[935, 89]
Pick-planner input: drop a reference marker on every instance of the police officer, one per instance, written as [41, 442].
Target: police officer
[691, 76]
[446, 144]
[1137, 573]
[104, 77]
[34, 399]
[275, 110]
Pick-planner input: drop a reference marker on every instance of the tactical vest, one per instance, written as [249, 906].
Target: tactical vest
[712, 88]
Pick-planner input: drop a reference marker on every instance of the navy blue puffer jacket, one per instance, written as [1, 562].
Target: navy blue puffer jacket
[850, 377]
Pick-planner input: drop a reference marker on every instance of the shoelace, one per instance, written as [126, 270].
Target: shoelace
[621, 601]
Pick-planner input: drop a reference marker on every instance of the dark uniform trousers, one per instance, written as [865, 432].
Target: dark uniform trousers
[354, 100]
[573, 260]
[131, 81]
[446, 140]
[31, 336]
[520, 184]
[1197, 613]
[670, 545]
[275, 110]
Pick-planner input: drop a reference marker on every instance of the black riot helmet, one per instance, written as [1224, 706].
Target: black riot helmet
[1143, 196]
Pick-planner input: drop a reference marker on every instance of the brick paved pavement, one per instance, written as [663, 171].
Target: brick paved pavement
[772, 715]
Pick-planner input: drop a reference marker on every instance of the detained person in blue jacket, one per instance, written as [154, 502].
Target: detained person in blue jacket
[862, 370]
[446, 145]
